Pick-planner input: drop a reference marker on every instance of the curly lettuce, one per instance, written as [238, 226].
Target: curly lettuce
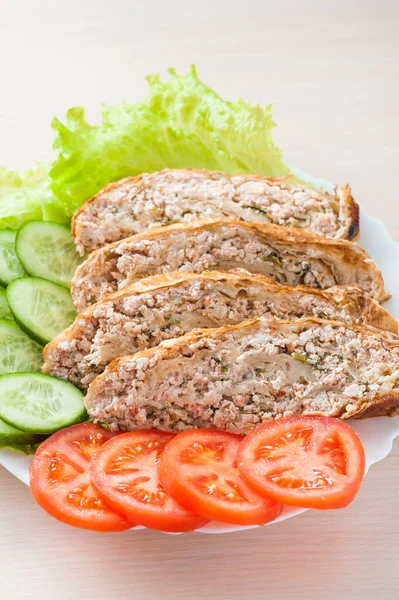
[181, 123]
[27, 196]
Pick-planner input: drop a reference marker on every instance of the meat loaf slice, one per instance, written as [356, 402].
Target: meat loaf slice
[151, 200]
[167, 306]
[288, 255]
[238, 376]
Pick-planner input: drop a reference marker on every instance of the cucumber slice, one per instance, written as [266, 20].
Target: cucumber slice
[38, 403]
[18, 440]
[17, 351]
[42, 308]
[10, 267]
[47, 250]
[5, 312]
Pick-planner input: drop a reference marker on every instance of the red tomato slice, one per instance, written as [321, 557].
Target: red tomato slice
[198, 469]
[60, 481]
[311, 462]
[124, 471]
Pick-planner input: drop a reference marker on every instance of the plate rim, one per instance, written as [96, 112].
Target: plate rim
[18, 464]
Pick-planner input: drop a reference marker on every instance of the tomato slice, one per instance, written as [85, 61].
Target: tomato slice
[125, 473]
[198, 469]
[60, 481]
[305, 461]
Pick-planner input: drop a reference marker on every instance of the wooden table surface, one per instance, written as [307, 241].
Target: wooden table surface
[331, 69]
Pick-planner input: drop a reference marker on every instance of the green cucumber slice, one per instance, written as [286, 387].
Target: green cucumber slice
[42, 308]
[37, 403]
[5, 312]
[18, 352]
[18, 440]
[10, 267]
[47, 250]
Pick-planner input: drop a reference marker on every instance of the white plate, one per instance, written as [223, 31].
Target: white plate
[376, 434]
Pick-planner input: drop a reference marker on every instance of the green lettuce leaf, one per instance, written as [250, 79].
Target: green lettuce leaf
[182, 123]
[27, 196]
[13, 439]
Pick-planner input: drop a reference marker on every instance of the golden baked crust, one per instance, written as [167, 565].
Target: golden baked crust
[379, 404]
[148, 200]
[351, 209]
[347, 261]
[352, 298]
[170, 348]
[167, 306]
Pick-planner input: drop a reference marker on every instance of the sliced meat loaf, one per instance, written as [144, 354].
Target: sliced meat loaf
[167, 306]
[288, 255]
[156, 199]
[238, 376]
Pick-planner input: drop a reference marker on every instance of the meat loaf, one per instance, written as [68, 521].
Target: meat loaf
[151, 200]
[238, 376]
[167, 306]
[290, 256]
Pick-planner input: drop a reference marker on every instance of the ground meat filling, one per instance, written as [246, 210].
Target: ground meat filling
[237, 380]
[158, 199]
[221, 248]
[126, 325]
[224, 249]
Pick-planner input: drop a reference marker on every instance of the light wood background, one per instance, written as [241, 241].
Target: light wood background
[331, 69]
